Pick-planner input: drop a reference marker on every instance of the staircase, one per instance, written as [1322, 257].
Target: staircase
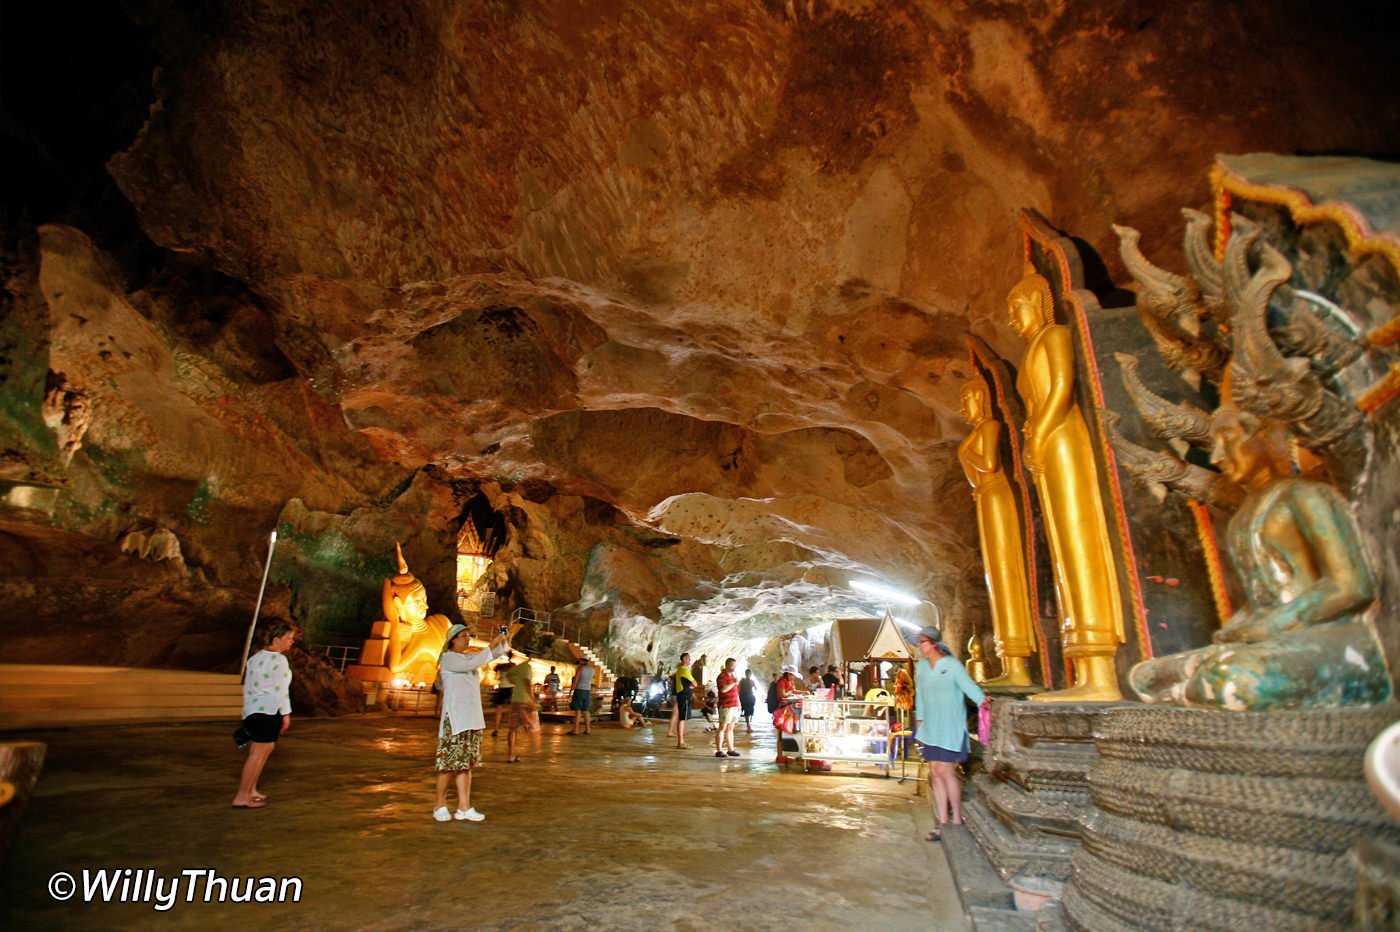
[559, 627]
[46, 696]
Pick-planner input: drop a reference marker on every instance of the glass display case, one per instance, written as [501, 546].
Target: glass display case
[848, 730]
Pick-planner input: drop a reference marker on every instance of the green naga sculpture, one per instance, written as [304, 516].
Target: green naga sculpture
[1303, 640]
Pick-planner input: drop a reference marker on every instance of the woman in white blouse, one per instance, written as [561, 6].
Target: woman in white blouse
[267, 711]
[459, 734]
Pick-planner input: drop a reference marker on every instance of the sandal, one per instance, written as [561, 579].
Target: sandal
[934, 836]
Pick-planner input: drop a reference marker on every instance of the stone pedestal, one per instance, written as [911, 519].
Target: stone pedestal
[1213, 820]
[1027, 804]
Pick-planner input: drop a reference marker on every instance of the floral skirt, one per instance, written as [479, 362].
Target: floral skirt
[461, 751]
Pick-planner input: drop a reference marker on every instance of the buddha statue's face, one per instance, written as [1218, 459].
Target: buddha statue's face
[1247, 451]
[413, 605]
[974, 403]
[1027, 316]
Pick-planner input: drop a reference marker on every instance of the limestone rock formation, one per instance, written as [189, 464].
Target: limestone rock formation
[680, 293]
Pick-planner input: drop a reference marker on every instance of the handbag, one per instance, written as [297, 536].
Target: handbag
[785, 720]
[241, 737]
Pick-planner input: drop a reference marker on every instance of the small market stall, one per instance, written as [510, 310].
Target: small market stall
[862, 729]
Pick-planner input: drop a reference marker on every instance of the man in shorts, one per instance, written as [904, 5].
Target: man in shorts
[728, 686]
[581, 702]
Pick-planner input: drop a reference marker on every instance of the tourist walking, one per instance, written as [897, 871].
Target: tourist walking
[940, 723]
[524, 711]
[684, 691]
[267, 711]
[748, 698]
[459, 733]
[500, 699]
[727, 685]
[582, 700]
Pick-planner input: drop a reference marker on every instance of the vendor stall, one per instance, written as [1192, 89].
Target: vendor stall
[849, 730]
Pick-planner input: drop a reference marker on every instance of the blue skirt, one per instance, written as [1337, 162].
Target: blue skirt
[932, 752]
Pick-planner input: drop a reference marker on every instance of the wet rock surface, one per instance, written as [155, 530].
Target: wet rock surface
[616, 829]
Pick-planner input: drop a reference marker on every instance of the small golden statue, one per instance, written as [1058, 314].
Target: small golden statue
[999, 529]
[406, 644]
[1301, 642]
[976, 660]
[1060, 456]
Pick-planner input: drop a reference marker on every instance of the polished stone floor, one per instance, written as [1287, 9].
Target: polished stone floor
[614, 830]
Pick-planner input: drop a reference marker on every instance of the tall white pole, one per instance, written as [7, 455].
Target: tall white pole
[248, 642]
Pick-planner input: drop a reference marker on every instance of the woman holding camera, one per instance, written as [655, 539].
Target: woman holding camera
[459, 734]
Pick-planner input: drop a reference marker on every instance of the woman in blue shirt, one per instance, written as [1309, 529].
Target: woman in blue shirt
[940, 722]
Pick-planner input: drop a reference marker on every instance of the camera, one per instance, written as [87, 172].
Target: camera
[502, 629]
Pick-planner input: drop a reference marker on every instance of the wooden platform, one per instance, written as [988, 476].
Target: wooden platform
[44, 696]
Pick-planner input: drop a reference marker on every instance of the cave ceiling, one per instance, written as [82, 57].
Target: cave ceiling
[683, 290]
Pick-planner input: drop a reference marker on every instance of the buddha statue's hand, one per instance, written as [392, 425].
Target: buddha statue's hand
[1246, 626]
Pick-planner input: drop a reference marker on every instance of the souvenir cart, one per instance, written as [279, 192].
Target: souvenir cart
[846, 730]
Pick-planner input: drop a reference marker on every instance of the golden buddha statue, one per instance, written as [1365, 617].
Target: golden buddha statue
[407, 643]
[1302, 640]
[999, 529]
[416, 639]
[976, 660]
[1060, 456]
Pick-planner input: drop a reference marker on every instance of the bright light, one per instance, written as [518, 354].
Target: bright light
[899, 598]
[274, 537]
[908, 624]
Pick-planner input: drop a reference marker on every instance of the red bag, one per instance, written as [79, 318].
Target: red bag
[984, 725]
[785, 720]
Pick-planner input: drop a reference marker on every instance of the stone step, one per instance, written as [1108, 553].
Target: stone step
[43, 696]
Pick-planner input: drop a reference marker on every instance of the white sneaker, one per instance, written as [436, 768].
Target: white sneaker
[441, 814]
[471, 815]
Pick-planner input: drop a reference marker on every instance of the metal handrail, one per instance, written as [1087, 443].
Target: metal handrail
[340, 654]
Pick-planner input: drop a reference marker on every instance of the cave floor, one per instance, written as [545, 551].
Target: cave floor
[614, 830]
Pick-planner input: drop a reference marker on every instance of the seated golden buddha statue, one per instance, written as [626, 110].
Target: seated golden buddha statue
[1302, 640]
[999, 530]
[1060, 456]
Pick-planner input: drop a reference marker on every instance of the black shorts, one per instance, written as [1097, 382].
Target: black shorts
[263, 728]
[683, 705]
[747, 705]
[502, 695]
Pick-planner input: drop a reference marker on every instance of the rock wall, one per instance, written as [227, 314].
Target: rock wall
[684, 291]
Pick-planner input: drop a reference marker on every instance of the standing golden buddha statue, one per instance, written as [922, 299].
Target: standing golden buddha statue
[999, 530]
[1060, 456]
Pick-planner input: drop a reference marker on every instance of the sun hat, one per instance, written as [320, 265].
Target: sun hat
[452, 632]
[788, 668]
